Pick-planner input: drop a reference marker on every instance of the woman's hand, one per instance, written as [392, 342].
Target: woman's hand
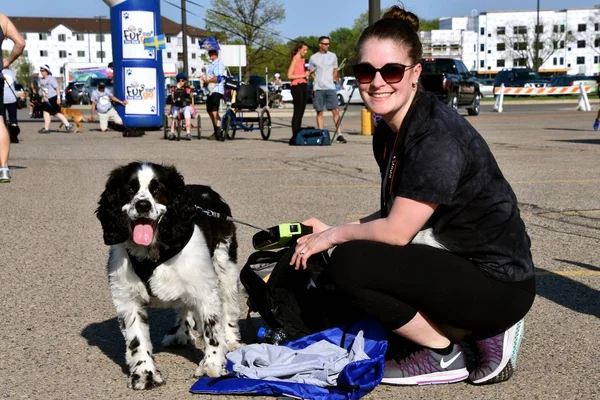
[321, 240]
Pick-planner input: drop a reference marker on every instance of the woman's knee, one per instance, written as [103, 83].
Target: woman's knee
[347, 261]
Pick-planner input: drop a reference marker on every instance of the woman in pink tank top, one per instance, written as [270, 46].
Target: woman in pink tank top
[298, 74]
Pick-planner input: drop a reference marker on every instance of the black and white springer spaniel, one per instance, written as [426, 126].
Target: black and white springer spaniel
[165, 254]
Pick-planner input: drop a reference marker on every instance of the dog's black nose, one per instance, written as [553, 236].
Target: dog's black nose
[143, 206]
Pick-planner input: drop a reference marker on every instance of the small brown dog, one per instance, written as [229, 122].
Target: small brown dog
[73, 115]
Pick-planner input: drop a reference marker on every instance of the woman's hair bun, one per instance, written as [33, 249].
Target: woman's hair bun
[395, 12]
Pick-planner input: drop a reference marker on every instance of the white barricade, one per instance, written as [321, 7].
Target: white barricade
[583, 103]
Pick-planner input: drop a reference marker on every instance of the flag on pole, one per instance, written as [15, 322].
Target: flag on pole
[158, 42]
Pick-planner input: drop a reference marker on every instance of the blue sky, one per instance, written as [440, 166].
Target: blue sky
[303, 17]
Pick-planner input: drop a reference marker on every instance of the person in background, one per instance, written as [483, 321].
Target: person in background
[277, 82]
[324, 65]
[50, 92]
[7, 30]
[10, 104]
[182, 101]
[102, 101]
[298, 75]
[34, 91]
[446, 259]
[215, 80]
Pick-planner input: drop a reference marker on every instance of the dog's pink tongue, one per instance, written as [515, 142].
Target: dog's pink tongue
[143, 234]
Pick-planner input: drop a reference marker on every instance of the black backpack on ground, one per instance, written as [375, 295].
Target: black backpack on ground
[300, 302]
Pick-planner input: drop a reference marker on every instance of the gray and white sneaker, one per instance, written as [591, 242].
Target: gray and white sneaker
[426, 367]
[498, 356]
[4, 175]
[70, 128]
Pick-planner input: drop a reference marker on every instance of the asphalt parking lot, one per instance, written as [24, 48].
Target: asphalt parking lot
[59, 335]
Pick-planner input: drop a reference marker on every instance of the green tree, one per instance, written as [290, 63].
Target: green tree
[22, 67]
[250, 22]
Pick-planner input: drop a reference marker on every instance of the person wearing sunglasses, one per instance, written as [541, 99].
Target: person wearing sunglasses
[324, 65]
[446, 258]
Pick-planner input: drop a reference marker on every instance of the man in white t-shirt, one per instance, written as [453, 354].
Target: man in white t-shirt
[101, 102]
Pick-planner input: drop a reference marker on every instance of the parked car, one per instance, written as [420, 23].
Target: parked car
[486, 87]
[574, 80]
[520, 77]
[343, 93]
[90, 85]
[450, 80]
[73, 93]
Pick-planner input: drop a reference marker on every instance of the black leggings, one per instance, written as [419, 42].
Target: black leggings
[300, 96]
[391, 283]
[11, 110]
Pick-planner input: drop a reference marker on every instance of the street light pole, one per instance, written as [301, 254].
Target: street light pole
[536, 51]
[374, 11]
[101, 38]
[184, 35]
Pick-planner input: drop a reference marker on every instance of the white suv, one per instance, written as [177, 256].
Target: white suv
[343, 93]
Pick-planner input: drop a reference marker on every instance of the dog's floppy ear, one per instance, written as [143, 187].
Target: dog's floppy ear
[113, 219]
[178, 223]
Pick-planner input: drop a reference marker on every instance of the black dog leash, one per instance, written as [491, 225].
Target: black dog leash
[216, 215]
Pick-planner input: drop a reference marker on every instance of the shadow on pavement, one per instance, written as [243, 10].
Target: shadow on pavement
[580, 141]
[567, 292]
[107, 336]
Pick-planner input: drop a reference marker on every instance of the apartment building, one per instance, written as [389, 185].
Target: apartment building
[56, 41]
[487, 42]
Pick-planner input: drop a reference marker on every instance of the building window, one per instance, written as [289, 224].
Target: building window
[193, 40]
[482, 47]
[521, 62]
[193, 56]
[555, 29]
[539, 29]
[581, 44]
[581, 27]
[500, 63]
[597, 42]
[474, 48]
[562, 29]
[561, 61]
[554, 61]
[580, 60]
[596, 59]
[520, 46]
[501, 30]
[25, 53]
[43, 36]
[101, 54]
[500, 46]
[168, 39]
[62, 54]
[25, 35]
[43, 53]
[482, 64]
[489, 52]
[80, 37]
[482, 31]
[62, 37]
[99, 37]
[561, 45]
[168, 54]
[80, 53]
[520, 30]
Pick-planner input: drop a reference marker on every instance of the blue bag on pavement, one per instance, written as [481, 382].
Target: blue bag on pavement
[356, 379]
[312, 137]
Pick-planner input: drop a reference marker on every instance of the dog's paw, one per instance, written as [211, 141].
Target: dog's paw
[178, 339]
[144, 379]
[211, 369]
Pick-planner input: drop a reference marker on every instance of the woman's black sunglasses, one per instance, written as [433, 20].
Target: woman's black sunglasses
[391, 73]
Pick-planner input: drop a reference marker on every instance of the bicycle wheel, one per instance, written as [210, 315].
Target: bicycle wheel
[265, 124]
[232, 126]
[227, 128]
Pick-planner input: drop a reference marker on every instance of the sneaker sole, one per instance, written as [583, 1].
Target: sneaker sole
[507, 350]
[435, 378]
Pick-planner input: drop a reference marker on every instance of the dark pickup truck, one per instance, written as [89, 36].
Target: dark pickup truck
[452, 82]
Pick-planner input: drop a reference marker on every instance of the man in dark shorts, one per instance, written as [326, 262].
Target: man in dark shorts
[50, 92]
[216, 87]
